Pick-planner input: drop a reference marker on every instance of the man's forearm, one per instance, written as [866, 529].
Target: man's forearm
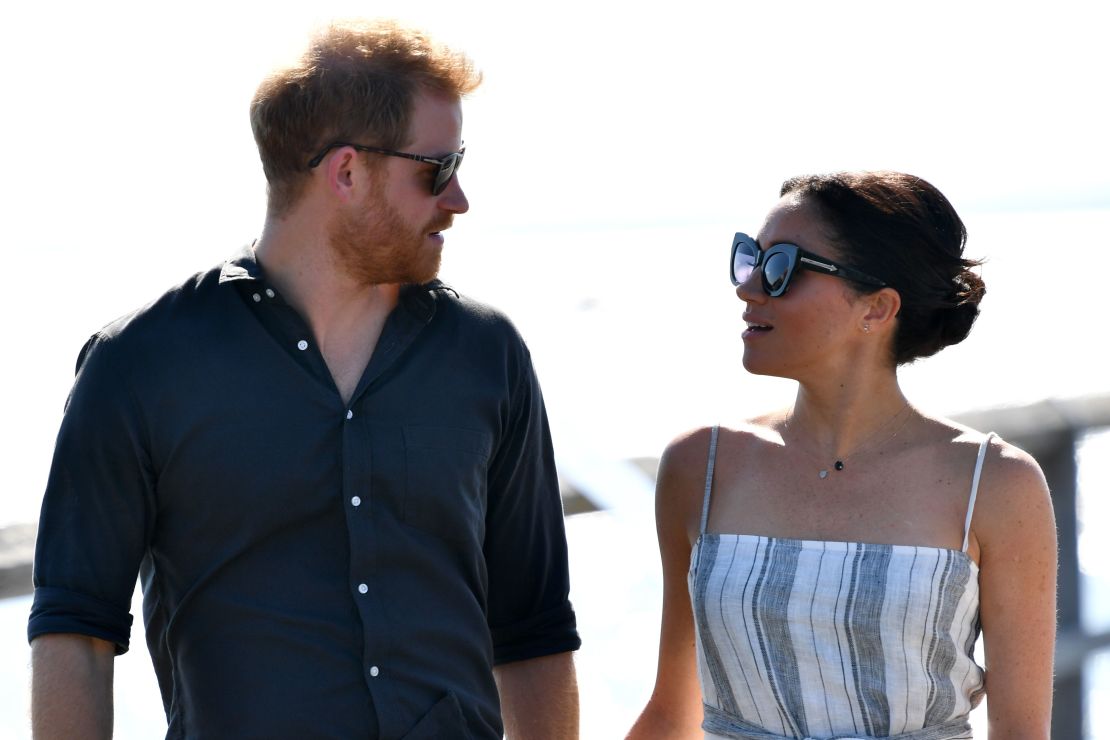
[71, 687]
[539, 698]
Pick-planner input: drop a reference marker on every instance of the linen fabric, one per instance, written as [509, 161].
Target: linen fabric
[309, 568]
[817, 639]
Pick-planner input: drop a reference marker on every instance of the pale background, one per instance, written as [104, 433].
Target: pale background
[612, 151]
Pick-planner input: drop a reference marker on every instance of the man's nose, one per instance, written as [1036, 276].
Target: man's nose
[453, 198]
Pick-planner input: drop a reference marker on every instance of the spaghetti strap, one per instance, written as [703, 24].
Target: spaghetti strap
[709, 477]
[975, 485]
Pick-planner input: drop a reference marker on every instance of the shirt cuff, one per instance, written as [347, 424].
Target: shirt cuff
[547, 633]
[60, 611]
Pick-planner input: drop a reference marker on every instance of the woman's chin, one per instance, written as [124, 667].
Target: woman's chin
[753, 364]
[757, 365]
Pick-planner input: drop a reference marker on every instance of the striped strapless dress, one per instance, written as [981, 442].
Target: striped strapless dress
[814, 639]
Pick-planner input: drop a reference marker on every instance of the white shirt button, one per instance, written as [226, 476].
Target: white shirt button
[356, 501]
[269, 292]
[374, 671]
[363, 588]
[302, 345]
[350, 414]
[256, 297]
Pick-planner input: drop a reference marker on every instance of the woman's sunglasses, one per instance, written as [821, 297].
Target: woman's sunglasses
[446, 166]
[779, 261]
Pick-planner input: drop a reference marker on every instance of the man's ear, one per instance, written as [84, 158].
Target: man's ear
[342, 173]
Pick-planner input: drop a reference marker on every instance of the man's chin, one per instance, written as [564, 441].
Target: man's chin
[429, 274]
[414, 275]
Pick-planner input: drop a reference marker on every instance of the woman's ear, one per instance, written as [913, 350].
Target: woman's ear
[882, 308]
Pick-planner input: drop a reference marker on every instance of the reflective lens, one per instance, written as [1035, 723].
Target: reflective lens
[776, 273]
[447, 168]
[777, 263]
[744, 259]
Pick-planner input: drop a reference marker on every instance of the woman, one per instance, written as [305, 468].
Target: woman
[841, 555]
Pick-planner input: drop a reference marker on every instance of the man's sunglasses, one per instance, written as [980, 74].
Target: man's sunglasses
[779, 261]
[447, 166]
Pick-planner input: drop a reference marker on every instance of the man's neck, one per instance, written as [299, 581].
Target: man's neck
[345, 317]
[302, 266]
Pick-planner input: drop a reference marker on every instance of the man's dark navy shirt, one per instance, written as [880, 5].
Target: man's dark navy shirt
[310, 568]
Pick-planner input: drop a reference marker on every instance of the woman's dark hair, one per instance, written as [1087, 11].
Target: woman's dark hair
[902, 230]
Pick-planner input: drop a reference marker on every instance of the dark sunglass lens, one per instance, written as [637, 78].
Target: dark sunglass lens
[743, 262]
[446, 171]
[776, 269]
[443, 176]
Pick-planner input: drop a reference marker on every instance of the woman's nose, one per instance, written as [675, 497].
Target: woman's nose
[751, 289]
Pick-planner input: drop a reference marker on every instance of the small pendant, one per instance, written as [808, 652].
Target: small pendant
[823, 474]
[839, 465]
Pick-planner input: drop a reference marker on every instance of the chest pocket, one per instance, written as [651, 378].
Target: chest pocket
[445, 481]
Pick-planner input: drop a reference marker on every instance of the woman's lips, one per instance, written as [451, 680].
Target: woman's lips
[756, 326]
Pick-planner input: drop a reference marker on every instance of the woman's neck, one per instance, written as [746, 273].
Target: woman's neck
[837, 420]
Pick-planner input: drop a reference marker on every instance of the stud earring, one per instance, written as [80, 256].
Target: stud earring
[867, 328]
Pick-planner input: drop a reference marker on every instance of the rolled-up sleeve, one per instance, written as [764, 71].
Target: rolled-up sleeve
[97, 512]
[529, 609]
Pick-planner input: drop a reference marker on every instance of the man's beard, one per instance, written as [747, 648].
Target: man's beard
[375, 245]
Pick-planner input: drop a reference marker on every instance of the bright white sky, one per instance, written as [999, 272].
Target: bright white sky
[612, 142]
[642, 112]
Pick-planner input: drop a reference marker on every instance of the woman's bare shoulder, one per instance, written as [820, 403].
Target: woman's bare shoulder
[684, 461]
[1013, 506]
[1005, 465]
[684, 466]
[688, 452]
[1013, 485]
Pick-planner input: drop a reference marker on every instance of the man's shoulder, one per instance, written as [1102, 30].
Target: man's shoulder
[171, 311]
[478, 314]
[155, 334]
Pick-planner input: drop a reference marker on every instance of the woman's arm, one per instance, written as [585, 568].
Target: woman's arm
[674, 710]
[1016, 532]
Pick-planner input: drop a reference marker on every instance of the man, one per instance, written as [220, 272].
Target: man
[332, 472]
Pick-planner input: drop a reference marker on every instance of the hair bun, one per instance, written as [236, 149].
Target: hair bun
[902, 229]
[956, 319]
[967, 288]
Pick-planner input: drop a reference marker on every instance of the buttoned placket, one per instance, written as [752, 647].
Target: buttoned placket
[355, 475]
[356, 464]
[401, 329]
[351, 456]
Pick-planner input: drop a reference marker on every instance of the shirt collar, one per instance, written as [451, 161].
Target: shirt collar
[418, 299]
[241, 266]
[421, 300]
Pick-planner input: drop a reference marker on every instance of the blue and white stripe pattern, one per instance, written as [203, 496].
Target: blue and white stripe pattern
[814, 639]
